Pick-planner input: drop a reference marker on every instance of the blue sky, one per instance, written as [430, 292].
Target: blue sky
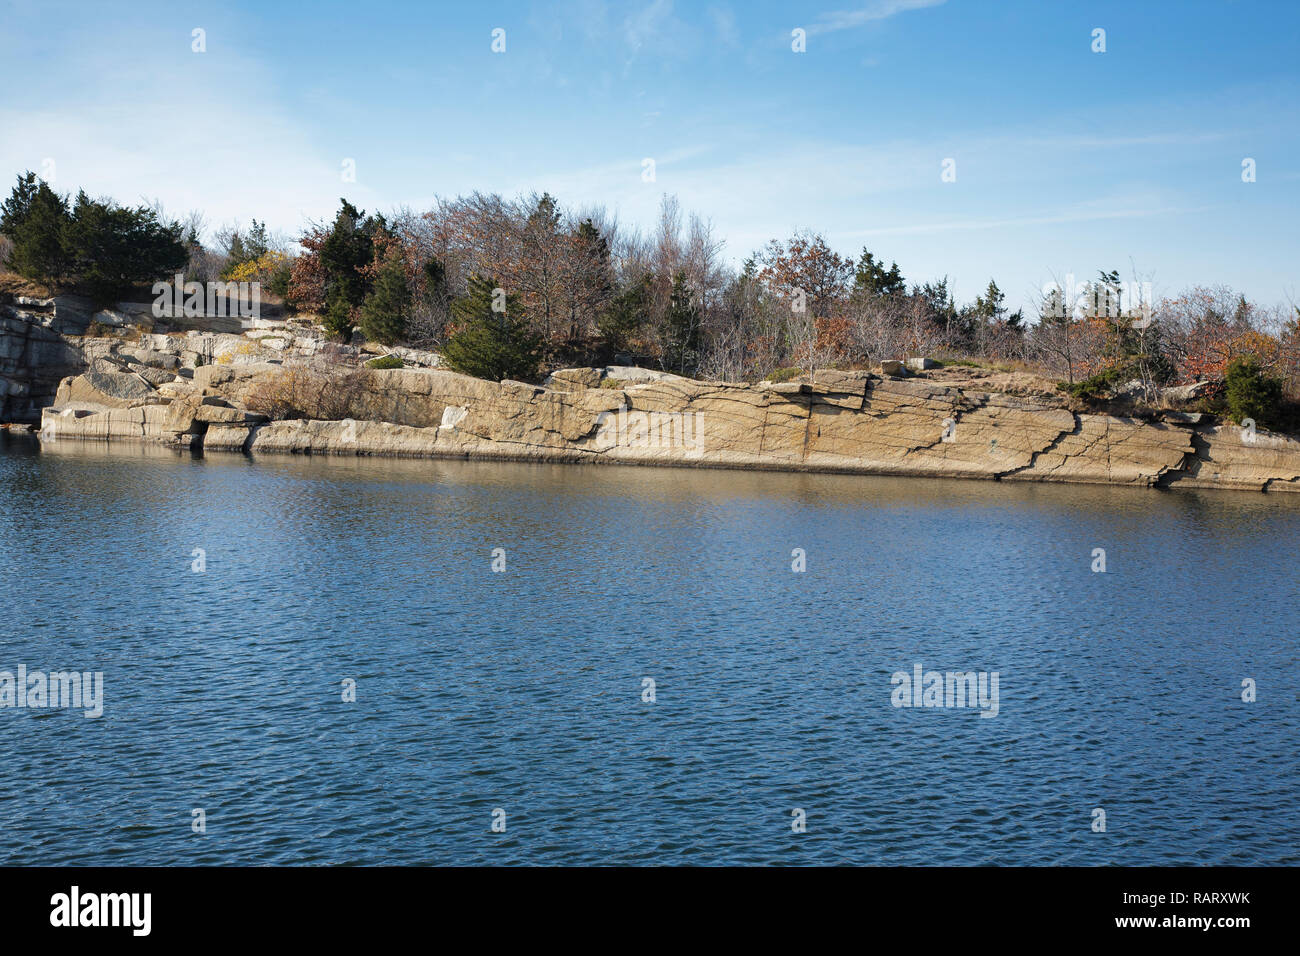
[1067, 160]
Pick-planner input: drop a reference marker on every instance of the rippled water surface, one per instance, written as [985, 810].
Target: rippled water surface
[522, 690]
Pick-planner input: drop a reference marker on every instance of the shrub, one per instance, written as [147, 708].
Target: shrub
[1095, 387]
[306, 393]
[259, 270]
[784, 375]
[387, 361]
[1250, 393]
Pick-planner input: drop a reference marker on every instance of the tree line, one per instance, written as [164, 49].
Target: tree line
[506, 287]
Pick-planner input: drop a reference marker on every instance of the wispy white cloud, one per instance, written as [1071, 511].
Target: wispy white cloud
[1052, 219]
[879, 10]
[652, 27]
[1182, 138]
[136, 139]
[724, 21]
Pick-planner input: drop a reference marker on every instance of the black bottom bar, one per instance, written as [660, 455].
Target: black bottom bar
[944, 905]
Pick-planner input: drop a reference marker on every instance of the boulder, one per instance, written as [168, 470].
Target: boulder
[229, 436]
[104, 385]
[154, 376]
[1133, 390]
[1184, 393]
[226, 415]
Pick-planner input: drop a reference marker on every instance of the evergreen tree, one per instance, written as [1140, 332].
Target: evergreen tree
[246, 248]
[588, 279]
[34, 218]
[1251, 393]
[990, 306]
[346, 251]
[625, 315]
[386, 311]
[870, 277]
[491, 344]
[435, 278]
[111, 248]
[541, 272]
[15, 210]
[683, 327]
[338, 320]
[938, 298]
[257, 244]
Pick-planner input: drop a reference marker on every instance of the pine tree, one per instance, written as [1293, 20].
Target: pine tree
[386, 311]
[491, 344]
[683, 327]
[15, 210]
[540, 275]
[112, 249]
[625, 315]
[1250, 392]
[338, 320]
[34, 218]
[990, 305]
[870, 277]
[588, 278]
[939, 298]
[347, 250]
[243, 248]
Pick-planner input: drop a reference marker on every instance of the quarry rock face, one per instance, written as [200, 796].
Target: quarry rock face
[36, 353]
[853, 422]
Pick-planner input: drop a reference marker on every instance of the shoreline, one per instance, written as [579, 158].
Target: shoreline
[283, 389]
[1273, 486]
[861, 424]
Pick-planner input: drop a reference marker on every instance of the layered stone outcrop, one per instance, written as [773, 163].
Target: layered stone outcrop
[36, 352]
[843, 422]
[44, 341]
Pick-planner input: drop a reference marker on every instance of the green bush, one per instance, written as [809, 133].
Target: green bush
[1252, 394]
[784, 375]
[387, 361]
[1097, 386]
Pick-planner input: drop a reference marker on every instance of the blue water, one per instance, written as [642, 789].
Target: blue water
[522, 690]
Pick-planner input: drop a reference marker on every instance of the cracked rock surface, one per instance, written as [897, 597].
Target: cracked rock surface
[846, 422]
